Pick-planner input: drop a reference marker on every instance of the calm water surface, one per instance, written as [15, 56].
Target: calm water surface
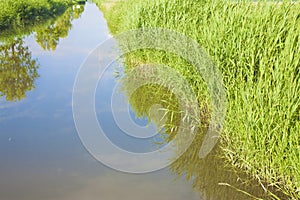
[41, 154]
[42, 157]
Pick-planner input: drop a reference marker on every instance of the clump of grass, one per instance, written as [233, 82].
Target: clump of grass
[256, 47]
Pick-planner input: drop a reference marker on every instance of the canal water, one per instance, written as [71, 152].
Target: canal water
[42, 156]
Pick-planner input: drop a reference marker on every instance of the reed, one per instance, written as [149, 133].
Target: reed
[256, 46]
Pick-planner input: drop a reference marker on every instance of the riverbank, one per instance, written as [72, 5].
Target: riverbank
[21, 13]
[255, 46]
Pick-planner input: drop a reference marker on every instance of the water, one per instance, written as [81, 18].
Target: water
[41, 154]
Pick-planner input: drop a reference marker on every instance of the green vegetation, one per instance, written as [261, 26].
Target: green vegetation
[19, 13]
[256, 47]
[210, 176]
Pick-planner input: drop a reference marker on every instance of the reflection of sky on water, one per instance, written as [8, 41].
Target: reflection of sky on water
[40, 152]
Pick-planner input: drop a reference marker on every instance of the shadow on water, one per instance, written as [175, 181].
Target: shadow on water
[211, 176]
[18, 69]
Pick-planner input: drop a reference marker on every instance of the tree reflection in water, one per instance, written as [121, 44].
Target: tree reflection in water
[18, 70]
[48, 38]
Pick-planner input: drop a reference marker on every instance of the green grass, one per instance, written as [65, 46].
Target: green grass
[19, 13]
[256, 47]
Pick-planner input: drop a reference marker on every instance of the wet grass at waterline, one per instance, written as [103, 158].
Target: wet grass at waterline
[19, 13]
[256, 47]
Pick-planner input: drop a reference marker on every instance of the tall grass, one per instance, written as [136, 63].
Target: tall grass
[212, 177]
[256, 47]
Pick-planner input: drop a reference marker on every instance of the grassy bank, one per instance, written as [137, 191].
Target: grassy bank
[19, 13]
[256, 47]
